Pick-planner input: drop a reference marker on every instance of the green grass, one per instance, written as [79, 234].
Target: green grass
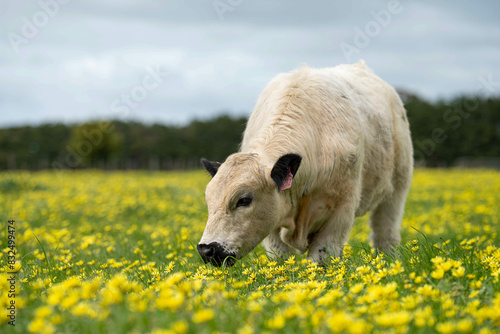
[116, 252]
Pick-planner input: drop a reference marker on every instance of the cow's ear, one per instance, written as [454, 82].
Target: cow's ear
[210, 166]
[284, 170]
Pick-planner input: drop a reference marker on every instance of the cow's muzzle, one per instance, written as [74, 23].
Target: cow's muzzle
[216, 255]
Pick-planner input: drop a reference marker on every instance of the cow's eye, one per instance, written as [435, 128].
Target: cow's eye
[244, 201]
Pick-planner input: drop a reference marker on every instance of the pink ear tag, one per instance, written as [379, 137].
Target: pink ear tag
[287, 181]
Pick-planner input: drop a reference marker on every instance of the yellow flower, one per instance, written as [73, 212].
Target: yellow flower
[277, 322]
[180, 327]
[356, 288]
[203, 316]
[56, 319]
[475, 284]
[317, 317]
[396, 268]
[427, 291]
[342, 321]
[291, 260]
[70, 300]
[445, 328]
[89, 289]
[70, 283]
[169, 299]
[111, 295]
[465, 326]
[474, 294]
[39, 325]
[83, 309]
[458, 272]
[43, 312]
[55, 295]
[394, 319]
[246, 330]
[423, 317]
[438, 273]
[254, 306]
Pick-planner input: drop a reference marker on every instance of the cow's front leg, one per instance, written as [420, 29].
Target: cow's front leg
[330, 239]
[275, 247]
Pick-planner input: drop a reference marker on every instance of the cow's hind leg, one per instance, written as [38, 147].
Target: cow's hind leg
[385, 221]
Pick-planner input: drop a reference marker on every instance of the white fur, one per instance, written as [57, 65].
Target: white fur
[351, 130]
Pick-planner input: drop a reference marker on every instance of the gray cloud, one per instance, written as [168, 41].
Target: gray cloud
[91, 53]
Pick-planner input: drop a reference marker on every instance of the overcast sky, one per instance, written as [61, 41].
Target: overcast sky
[173, 61]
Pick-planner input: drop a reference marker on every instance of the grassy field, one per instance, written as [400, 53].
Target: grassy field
[102, 252]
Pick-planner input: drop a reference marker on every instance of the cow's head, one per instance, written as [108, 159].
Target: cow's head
[243, 200]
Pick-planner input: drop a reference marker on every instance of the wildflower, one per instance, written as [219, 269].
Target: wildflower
[55, 295]
[423, 317]
[72, 298]
[254, 306]
[395, 319]
[396, 268]
[277, 322]
[356, 288]
[203, 316]
[290, 261]
[39, 325]
[43, 312]
[475, 284]
[445, 328]
[465, 326]
[89, 289]
[427, 291]
[83, 309]
[70, 283]
[458, 272]
[438, 273]
[111, 295]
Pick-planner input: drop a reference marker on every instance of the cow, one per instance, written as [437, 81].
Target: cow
[321, 147]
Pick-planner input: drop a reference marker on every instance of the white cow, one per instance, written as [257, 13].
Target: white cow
[322, 147]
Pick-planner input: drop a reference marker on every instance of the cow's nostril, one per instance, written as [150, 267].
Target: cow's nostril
[206, 251]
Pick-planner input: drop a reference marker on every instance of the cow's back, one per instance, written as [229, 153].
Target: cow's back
[348, 125]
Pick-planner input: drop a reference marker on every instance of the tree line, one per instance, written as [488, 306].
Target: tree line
[443, 132]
